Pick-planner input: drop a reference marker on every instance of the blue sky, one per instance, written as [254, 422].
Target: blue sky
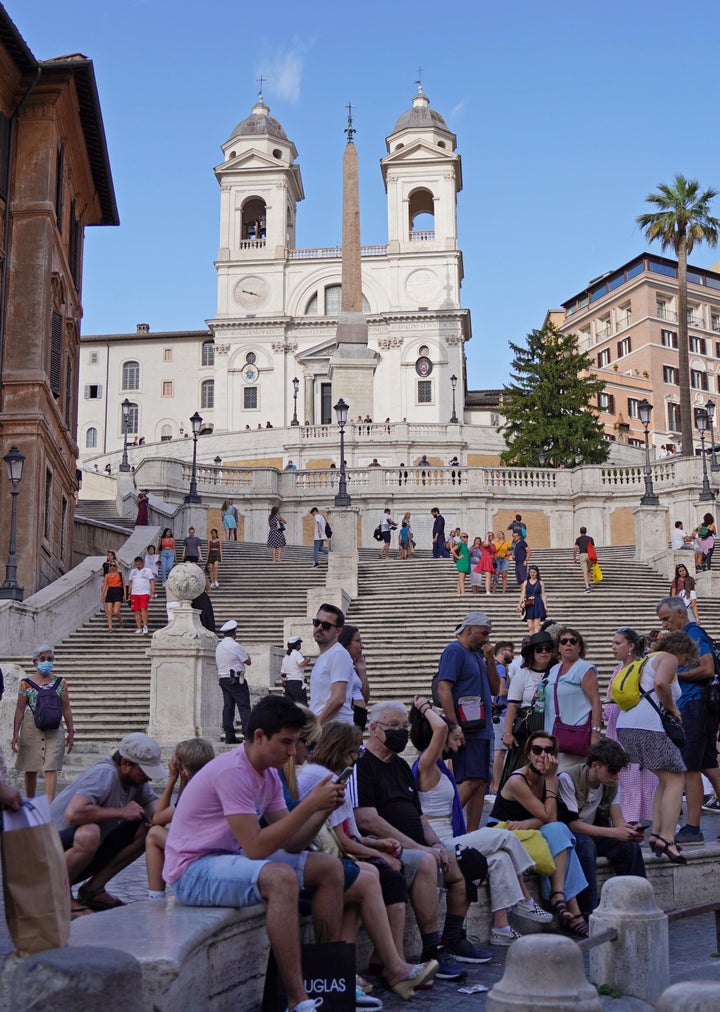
[567, 114]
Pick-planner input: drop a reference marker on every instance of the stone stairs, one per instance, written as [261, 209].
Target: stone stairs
[103, 511]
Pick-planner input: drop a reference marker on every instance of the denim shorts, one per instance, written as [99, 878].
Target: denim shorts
[502, 565]
[230, 880]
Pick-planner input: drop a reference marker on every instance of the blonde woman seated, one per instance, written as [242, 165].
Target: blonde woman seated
[435, 738]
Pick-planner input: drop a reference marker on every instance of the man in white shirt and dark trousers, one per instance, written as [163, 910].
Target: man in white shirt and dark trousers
[319, 535]
[332, 674]
[232, 658]
[387, 526]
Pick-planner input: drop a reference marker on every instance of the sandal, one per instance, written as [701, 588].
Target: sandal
[577, 926]
[560, 909]
[78, 910]
[98, 899]
[662, 846]
[420, 976]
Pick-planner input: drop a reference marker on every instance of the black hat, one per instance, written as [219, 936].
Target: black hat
[535, 640]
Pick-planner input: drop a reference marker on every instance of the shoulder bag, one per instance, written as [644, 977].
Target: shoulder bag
[671, 725]
[572, 738]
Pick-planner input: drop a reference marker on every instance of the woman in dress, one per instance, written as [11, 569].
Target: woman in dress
[637, 786]
[437, 738]
[485, 567]
[683, 586]
[113, 592]
[525, 699]
[532, 598]
[476, 577]
[351, 639]
[641, 734]
[706, 534]
[528, 800]
[41, 749]
[214, 556]
[141, 520]
[292, 672]
[276, 538]
[461, 554]
[578, 697]
[167, 553]
[228, 519]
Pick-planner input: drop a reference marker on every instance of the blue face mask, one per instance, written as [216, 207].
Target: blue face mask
[45, 667]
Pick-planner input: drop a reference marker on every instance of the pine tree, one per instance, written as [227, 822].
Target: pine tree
[550, 405]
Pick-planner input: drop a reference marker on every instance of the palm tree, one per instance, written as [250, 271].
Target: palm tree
[680, 219]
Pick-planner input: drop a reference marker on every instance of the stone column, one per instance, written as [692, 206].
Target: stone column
[691, 996]
[637, 963]
[650, 531]
[543, 972]
[185, 700]
[343, 559]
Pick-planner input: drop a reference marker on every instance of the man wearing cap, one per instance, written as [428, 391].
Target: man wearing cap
[467, 680]
[103, 817]
[232, 658]
[292, 672]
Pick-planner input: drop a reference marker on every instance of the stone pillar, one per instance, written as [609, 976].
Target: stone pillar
[690, 996]
[637, 963]
[87, 977]
[650, 531]
[343, 559]
[185, 700]
[543, 972]
[191, 515]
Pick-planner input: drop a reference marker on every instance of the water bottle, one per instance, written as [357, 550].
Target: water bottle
[539, 706]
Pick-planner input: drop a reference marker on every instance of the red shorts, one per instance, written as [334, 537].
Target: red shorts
[139, 602]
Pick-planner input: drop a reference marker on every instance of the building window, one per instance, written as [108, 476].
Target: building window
[68, 391]
[698, 345]
[421, 210]
[333, 300]
[698, 379]
[93, 392]
[424, 392]
[661, 309]
[250, 398]
[606, 402]
[623, 347]
[671, 375]
[694, 316]
[603, 329]
[48, 505]
[167, 388]
[633, 407]
[131, 376]
[165, 434]
[624, 316]
[63, 524]
[208, 353]
[603, 358]
[167, 354]
[669, 338]
[133, 420]
[207, 394]
[94, 357]
[715, 321]
[673, 417]
[91, 438]
[56, 353]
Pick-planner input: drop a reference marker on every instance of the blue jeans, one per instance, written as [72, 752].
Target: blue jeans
[230, 880]
[319, 546]
[167, 561]
[558, 837]
[624, 856]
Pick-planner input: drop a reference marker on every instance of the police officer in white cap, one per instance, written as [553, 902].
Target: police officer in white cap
[292, 672]
[232, 658]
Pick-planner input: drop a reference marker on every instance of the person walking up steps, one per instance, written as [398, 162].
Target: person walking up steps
[319, 535]
[581, 554]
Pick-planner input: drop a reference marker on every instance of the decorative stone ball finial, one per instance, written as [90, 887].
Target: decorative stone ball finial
[186, 581]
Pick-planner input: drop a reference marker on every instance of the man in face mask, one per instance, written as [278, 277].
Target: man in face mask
[387, 806]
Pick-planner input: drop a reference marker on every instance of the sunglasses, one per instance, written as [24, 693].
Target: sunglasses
[568, 640]
[309, 745]
[544, 649]
[325, 625]
[539, 749]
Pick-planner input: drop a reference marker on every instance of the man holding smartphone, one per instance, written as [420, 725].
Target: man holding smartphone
[589, 805]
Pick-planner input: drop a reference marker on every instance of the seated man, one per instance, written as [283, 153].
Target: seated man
[103, 818]
[387, 805]
[679, 539]
[217, 853]
[589, 805]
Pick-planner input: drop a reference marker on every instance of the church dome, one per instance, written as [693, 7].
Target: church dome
[420, 116]
[259, 123]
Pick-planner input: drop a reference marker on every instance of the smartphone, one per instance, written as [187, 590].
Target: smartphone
[343, 777]
[640, 827]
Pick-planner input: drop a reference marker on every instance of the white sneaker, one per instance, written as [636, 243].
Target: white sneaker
[532, 912]
[138, 632]
[309, 1005]
[505, 937]
[144, 630]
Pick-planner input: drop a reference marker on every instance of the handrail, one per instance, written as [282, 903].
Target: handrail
[696, 911]
[609, 935]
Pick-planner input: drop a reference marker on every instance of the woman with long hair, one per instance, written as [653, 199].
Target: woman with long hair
[683, 586]
[276, 538]
[532, 599]
[706, 534]
[113, 591]
[214, 557]
[228, 520]
[476, 577]
[574, 681]
[167, 553]
[461, 554]
[351, 639]
[485, 566]
[526, 699]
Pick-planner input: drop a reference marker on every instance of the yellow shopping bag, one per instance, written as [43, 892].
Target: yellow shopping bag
[597, 573]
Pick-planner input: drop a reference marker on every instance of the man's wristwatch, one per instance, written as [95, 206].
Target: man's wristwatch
[598, 729]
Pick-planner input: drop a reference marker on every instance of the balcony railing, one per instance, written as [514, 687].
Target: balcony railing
[666, 314]
[423, 235]
[246, 244]
[332, 252]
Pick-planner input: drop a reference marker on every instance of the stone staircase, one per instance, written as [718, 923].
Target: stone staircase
[406, 610]
[103, 511]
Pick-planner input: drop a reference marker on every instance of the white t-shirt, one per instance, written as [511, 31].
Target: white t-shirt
[592, 803]
[677, 539]
[644, 716]
[230, 654]
[523, 685]
[292, 665]
[386, 523]
[319, 527]
[335, 665]
[309, 776]
[151, 563]
[139, 580]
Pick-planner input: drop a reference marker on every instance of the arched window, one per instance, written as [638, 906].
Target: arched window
[333, 301]
[165, 433]
[207, 394]
[133, 420]
[131, 376]
[208, 353]
[422, 216]
[312, 306]
[91, 438]
[254, 220]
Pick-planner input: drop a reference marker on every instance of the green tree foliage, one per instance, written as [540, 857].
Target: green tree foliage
[681, 217]
[550, 404]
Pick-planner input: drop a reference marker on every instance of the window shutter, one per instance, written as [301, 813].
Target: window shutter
[56, 353]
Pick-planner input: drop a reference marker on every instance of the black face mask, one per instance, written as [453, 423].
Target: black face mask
[396, 738]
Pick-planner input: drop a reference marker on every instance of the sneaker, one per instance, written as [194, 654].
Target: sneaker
[144, 630]
[490, 798]
[315, 565]
[532, 912]
[309, 1005]
[465, 952]
[448, 968]
[138, 632]
[687, 838]
[712, 804]
[505, 937]
[586, 591]
[363, 1000]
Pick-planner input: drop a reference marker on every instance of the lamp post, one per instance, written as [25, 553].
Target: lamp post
[192, 496]
[9, 590]
[341, 410]
[710, 408]
[453, 417]
[645, 410]
[541, 458]
[701, 421]
[296, 385]
[125, 463]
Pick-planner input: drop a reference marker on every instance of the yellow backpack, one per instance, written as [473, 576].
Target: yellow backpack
[625, 687]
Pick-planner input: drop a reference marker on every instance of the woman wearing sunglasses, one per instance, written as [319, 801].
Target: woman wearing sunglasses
[574, 682]
[528, 800]
[523, 699]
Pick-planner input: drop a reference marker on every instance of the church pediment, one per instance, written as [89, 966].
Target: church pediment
[251, 158]
[317, 353]
[419, 150]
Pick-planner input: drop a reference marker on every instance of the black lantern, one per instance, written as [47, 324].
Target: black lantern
[296, 387]
[453, 384]
[10, 590]
[701, 422]
[645, 411]
[341, 410]
[126, 405]
[192, 496]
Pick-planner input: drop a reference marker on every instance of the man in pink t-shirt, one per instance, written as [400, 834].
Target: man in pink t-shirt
[217, 854]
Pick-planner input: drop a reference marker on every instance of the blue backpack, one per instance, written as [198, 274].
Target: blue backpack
[48, 707]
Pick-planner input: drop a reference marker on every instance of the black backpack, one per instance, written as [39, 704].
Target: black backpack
[48, 708]
[328, 530]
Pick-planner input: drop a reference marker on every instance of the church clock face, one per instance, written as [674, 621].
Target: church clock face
[251, 293]
[422, 286]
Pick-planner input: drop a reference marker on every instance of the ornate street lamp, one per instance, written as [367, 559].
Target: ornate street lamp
[644, 411]
[341, 410]
[192, 496]
[126, 405]
[296, 386]
[9, 590]
[541, 458]
[701, 422]
[453, 417]
[710, 408]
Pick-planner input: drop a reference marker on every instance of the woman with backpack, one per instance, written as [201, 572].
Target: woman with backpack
[43, 704]
[705, 542]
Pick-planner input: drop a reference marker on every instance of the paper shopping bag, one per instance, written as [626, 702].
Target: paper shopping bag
[597, 573]
[328, 973]
[35, 880]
